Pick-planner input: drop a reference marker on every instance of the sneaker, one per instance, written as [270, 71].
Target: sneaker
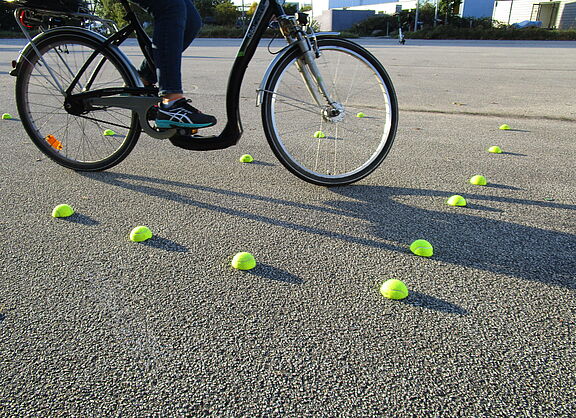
[181, 114]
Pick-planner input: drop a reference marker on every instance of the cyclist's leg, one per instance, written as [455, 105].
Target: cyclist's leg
[176, 24]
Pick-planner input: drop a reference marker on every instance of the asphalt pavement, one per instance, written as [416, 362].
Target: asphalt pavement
[92, 324]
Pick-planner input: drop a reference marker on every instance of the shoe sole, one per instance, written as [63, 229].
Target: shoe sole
[171, 124]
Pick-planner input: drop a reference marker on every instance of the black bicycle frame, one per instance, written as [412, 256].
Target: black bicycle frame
[232, 131]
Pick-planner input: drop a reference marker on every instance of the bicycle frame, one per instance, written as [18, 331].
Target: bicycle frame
[233, 128]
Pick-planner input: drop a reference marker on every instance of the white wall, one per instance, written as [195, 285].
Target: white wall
[522, 10]
[386, 6]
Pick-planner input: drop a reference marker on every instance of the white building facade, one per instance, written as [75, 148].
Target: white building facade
[468, 8]
[559, 14]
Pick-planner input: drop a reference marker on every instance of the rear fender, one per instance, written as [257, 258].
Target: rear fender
[74, 33]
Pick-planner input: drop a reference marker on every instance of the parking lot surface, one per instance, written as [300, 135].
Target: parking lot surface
[92, 324]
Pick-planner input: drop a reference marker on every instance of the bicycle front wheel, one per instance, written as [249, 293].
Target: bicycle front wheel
[84, 141]
[324, 147]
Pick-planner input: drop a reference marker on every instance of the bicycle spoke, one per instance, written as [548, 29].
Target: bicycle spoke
[338, 147]
[82, 136]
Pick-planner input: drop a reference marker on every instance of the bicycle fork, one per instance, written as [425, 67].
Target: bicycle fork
[309, 71]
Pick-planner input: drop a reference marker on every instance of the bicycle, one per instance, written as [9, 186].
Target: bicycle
[329, 110]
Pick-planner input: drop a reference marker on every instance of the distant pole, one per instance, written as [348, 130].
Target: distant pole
[243, 16]
[436, 13]
[416, 19]
[510, 14]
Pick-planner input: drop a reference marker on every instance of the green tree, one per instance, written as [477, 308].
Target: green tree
[7, 21]
[113, 9]
[208, 7]
[226, 13]
[447, 9]
[252, 9]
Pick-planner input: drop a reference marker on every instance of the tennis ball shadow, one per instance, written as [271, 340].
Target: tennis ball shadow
[264, 163]
[430, 302]
[79, 218]
[164, 244]
[266, 271]
[502, 186]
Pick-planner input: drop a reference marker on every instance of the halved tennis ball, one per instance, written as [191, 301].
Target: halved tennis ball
[140, 233]
[6, 116]
[360, 115]
[109, 132]
[478, 180]
[246, 158]
[62, 211]
[319, 134]
[495, 149]
[504, 127]
[422, 248]
[394, 289]
[456, 200]
[243, 261]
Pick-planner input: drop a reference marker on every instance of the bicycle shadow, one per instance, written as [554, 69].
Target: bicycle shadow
[460, 237]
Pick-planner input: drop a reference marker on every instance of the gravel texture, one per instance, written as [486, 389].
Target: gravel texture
[92, 324]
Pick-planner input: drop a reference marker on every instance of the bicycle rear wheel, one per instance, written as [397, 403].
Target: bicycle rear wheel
[316, 146]
[89, 141]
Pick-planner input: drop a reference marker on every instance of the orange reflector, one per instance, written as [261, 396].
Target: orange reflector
[54, 143]
[193, 131]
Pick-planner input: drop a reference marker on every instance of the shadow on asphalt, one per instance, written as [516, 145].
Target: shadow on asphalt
[266, 271]
[78, 218]
[502, 186]
[264, 163]
[430, 302]
[165, 244]
[459, 235]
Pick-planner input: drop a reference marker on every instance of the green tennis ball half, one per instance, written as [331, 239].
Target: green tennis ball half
[62, 211]
[504, 127]
[6, 116]
[140, 233]
[456, 200]
[478, 180]
[246, 158]
[422, 248]
[109, 132]
[394, 289]
[495, 149]
[360, 115]
[319, 134]
[243, 261]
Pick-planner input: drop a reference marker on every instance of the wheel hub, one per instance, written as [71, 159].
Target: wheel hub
[334, 113]
[74, 106]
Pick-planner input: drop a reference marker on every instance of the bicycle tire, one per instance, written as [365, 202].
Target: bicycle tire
[291, 123]
[85, 144]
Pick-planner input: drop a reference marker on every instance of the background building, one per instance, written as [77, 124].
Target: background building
[323, 10]
[560, 14]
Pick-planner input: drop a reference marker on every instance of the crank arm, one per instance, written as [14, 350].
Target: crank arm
[138, 104]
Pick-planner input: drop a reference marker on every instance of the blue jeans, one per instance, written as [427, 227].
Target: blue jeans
[176, 24]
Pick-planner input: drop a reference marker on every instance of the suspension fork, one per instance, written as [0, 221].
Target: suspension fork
[306, 64]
